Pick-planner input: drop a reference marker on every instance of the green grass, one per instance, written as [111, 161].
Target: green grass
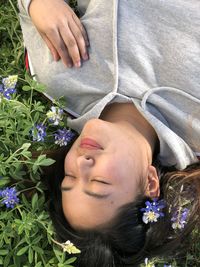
[11, 63]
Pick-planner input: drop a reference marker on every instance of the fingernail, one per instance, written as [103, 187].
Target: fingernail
[78, 64]
[85, 56]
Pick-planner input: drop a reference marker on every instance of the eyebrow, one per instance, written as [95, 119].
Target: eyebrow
[98, 196]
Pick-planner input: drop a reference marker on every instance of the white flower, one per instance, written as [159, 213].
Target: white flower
[70, 248]
[10, 81]
[150, 216]
[55, 115]
[148, 264]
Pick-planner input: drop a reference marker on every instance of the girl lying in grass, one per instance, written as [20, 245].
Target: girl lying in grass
[129, 186]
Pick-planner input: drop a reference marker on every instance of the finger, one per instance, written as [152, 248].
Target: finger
[71, 44]
[60, 47]
[52, 49]
[82, 29]
[79, 40]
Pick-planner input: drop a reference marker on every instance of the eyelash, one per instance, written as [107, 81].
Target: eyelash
[94, 180]
[70, 176]
[99, 181]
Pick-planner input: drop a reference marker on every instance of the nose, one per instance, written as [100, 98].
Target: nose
[85, 163]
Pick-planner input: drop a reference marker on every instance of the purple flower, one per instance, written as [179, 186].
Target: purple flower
[7, 88]
[38, 132]
[179, 218]
[1, 88]
[8, 92]
[9, 197]
[153, 210]
[63, 137]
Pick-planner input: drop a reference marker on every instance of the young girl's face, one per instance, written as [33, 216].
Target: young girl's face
[103, 171]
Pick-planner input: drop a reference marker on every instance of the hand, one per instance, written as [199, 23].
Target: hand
[61, 30]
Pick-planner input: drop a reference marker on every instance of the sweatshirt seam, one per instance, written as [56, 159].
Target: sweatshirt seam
[115, 47]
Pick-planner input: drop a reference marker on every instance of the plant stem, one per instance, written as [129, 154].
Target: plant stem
[27, 189]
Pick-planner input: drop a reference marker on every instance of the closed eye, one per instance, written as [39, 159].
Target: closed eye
[93, 180]
[100, 181]
[69, 176]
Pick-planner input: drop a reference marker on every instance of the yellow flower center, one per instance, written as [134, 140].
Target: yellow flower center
[151, 216]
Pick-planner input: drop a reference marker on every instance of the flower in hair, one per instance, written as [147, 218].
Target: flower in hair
[179, 218]
[153, 210]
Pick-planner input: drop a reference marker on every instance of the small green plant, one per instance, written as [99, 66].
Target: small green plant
[29, 126]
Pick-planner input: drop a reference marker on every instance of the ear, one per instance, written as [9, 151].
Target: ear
[153, 185]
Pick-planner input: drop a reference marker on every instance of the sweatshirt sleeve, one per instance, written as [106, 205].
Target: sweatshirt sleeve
[24, 5]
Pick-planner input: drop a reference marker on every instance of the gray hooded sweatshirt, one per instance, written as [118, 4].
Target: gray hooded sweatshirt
[145, 52]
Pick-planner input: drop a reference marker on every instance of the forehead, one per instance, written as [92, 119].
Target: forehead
[84, 212]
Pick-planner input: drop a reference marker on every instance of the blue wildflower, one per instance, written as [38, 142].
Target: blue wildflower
[55, 115]
[165, 265]
[9, 197]
[179, 218]
[1, 88]
[38, 132]
[153, 210]
[63, 137]
[7, 88]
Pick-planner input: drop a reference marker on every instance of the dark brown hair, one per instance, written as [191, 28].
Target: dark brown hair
[128, 241]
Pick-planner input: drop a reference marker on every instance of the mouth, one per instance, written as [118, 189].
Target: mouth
[89, 143]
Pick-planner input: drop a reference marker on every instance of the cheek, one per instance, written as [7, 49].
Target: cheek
[71, 155]
[123, 174]
[120, 167]
[70, 160]
[68, 209]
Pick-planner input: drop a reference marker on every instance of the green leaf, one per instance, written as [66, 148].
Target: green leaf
[39, 264]
[71, 260]
[4, 181]
[43, 161]
[38, 249]
[22, 251]
[34, 201]
[20, 229]
[26, 88]
[25, 146]
[25, 201]
[37, 239]
[40, 88]
[30, 255]
[7, 260]
[4, 252]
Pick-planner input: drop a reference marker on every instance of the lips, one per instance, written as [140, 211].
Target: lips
[90, 144]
